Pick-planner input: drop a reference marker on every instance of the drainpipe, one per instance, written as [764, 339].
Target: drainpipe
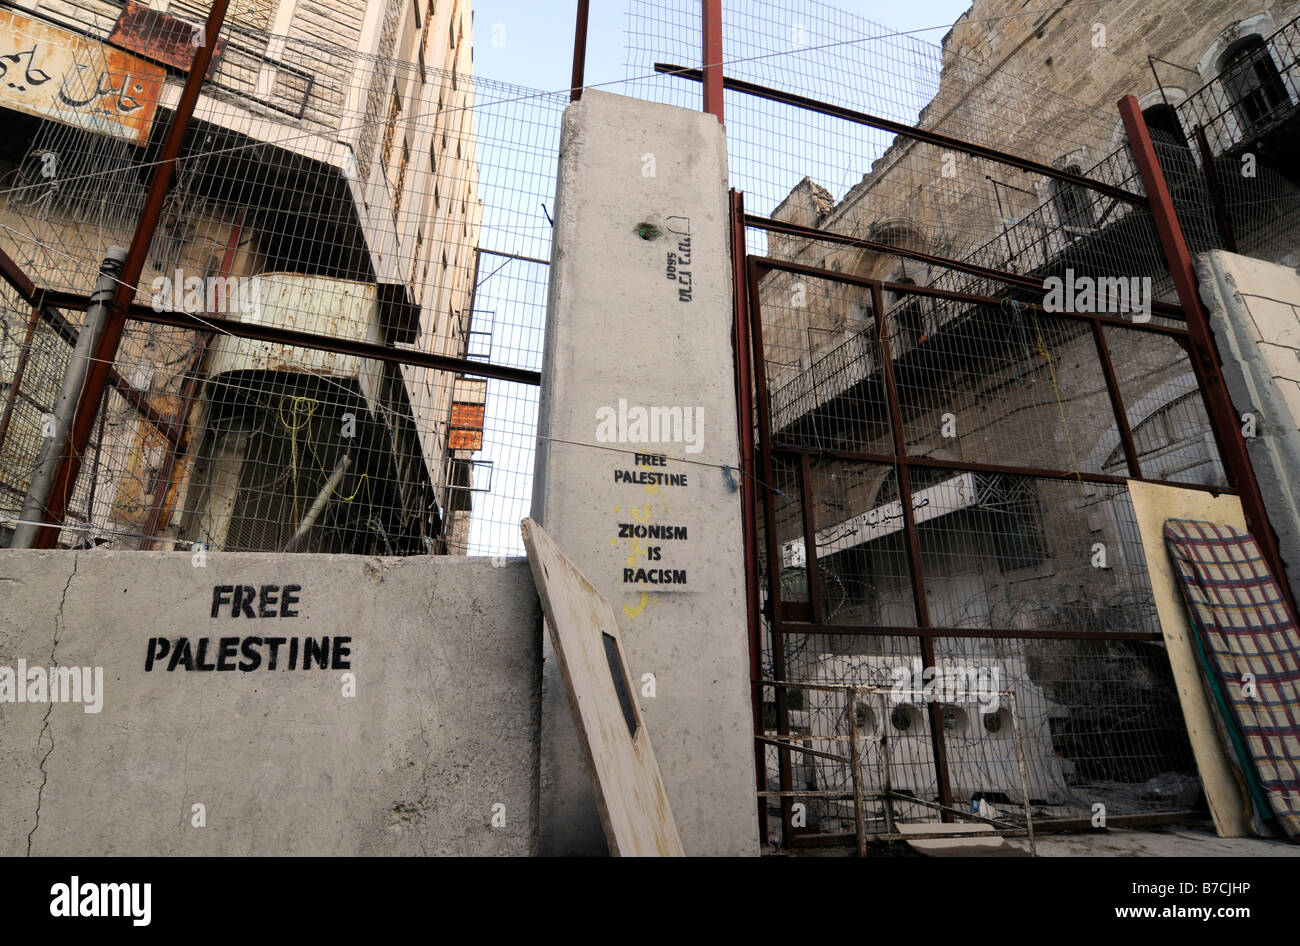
[74, 379]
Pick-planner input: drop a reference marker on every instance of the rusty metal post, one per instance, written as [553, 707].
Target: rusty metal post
[20, 371]
[579, 51]
[811, 567]
[188, 391]
[1024, 772]
[55, 502]
[1203, 356]
[1116, 401]
[886, 785]
[741, 354]
[776, 613]
[855, 766]
[711, 54]
[1221, 217]
[912, 540]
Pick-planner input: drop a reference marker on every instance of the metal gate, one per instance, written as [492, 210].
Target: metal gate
[938, 511]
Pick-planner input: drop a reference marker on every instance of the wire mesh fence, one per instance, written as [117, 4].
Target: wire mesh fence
[385, 211]
[1026, 550]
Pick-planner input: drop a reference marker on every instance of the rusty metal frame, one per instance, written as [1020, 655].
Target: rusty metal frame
[740, 344]
[1192, 335]
[83, 420]
[923, 135]
[886, 794]
[808, 618]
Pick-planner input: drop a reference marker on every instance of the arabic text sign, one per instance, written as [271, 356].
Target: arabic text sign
[56, 74]
[948, 496]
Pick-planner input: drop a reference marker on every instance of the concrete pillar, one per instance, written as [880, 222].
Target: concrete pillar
[638, 417]
[1254, 310]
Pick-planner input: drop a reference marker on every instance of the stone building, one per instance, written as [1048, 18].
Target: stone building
[997, 385]
[331, 179]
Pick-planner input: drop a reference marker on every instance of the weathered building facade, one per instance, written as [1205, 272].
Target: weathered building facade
[1006, 386]
[327, 186]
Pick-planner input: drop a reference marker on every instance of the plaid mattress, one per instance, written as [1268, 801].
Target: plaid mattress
[1245, 627]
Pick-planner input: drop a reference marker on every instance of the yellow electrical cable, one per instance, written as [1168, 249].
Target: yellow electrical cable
[1056, 391]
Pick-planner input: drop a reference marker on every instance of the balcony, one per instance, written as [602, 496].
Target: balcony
[1254, 98]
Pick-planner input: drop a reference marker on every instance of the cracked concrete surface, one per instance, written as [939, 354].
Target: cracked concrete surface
[444, 724]
[46, 733]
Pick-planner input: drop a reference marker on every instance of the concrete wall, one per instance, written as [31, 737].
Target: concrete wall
[640, 316]
[1254, 310]
[445, 654]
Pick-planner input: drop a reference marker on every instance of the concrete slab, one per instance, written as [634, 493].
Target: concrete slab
[629, 790]
[415, 729]
[958, 847]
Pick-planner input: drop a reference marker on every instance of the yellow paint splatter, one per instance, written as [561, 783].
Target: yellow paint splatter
[637, 551]
[634, 612]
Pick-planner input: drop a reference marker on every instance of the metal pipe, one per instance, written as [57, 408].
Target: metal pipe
[74, 383]
[829, 236]
[855, 763]
[579, 51]
[969, 466]
[318, 506]
[995, 633]
[53, 504]
[1024, 774]
[1204, 357]
[811, 569]
[1117, 402]
[711, 56]
[386, 353]
[742, 355]
[908, 131]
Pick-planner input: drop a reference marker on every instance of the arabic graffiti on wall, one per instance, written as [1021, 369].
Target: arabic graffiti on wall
[55, 74]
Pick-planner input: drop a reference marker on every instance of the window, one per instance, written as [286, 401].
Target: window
[401, 180]
[1252, 82]
[394, 112]
[911, 315]
[1164, 118]
[1173, 443]
[1073, 204]
[424, 32]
